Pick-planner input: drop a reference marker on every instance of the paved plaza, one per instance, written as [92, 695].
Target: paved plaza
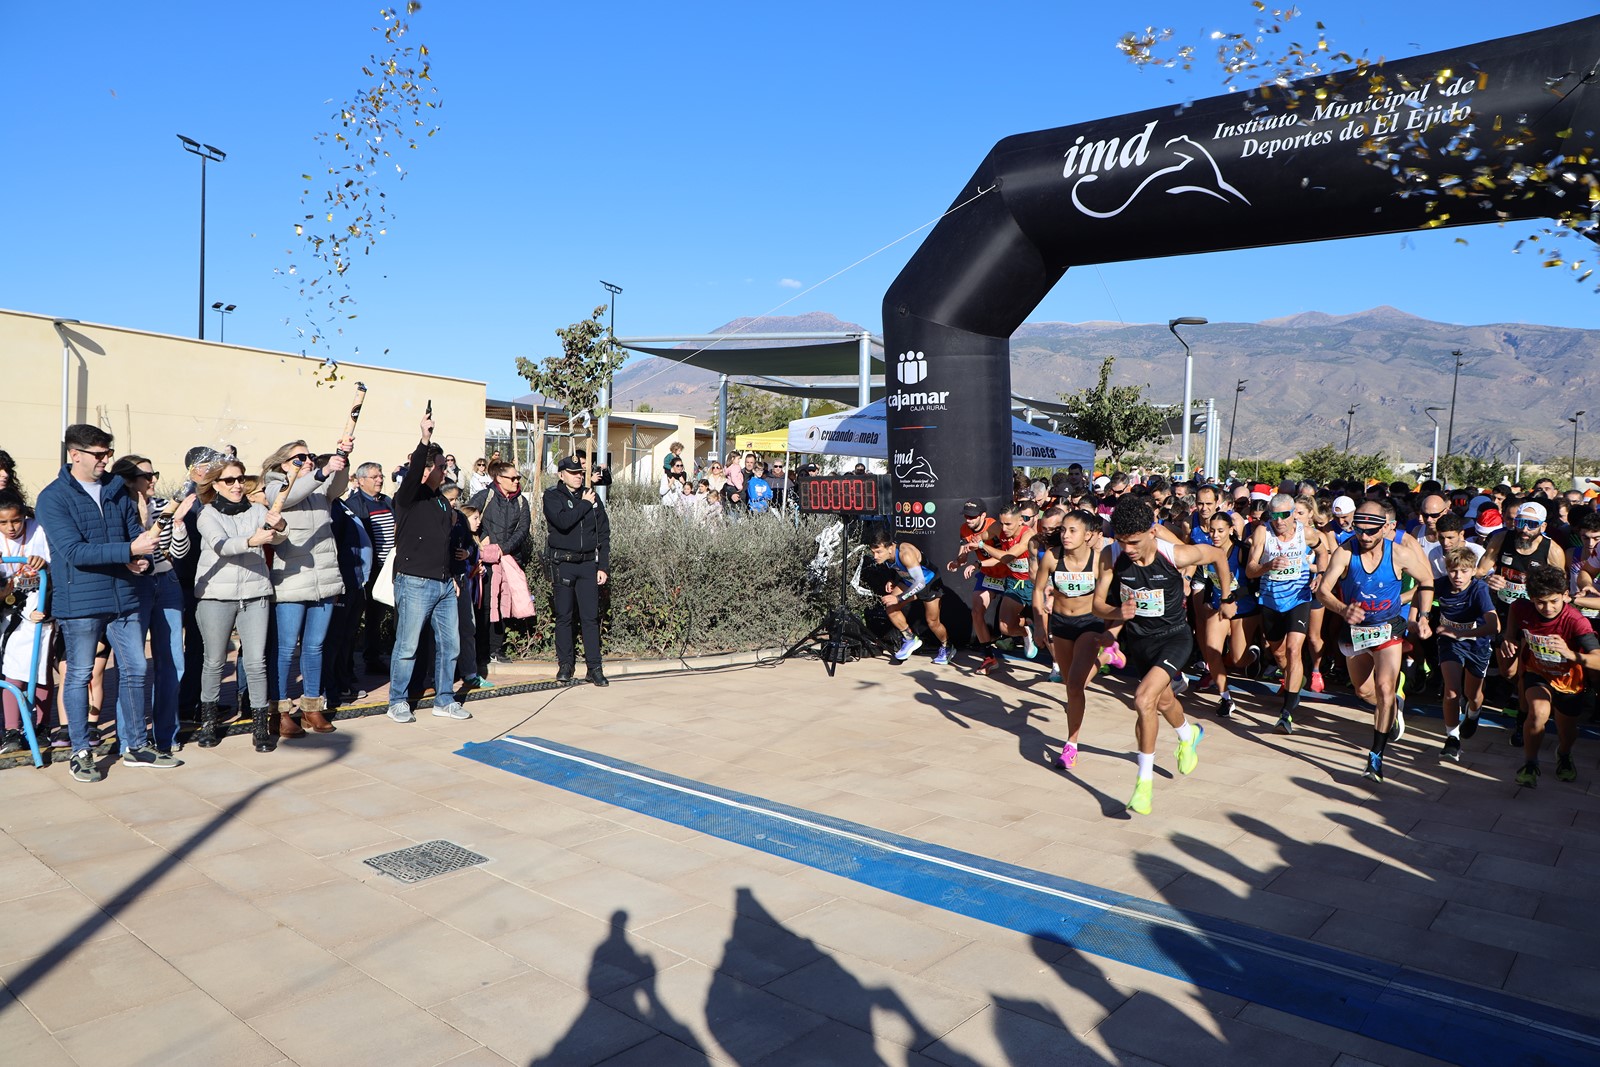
[222, 913]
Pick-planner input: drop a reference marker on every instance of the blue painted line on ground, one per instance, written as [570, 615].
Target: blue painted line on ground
[1438, 1017]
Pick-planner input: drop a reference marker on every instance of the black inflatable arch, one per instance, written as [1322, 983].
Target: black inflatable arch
[1240, 171]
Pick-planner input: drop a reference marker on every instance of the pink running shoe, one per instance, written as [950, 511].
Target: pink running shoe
[1114, 657]
[1068, 758]
[1316, 682]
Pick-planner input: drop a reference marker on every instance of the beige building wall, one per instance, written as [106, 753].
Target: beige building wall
[161, 395]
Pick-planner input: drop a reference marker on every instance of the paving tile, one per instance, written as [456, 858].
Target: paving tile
[374, 799]
[1491, 842]
[600, 891]
[96, 838]
[193, 839]
[1424, 950]
[1525, 936]
[664, 1051]
[166, 921]
[266, 870]
[891, 940]
[1073, 993]
[1493, 895]
[594, 955]
[1354, 1048]
[153, 804]
[109, 879]
[326, 837]
[756, 949]
[284, 968]
[39, 924]
[188, 1028]
[428, 962]
[1573, 986]
[1201, 895]
[318, 1030]
[890, 1004]
[1004, 1033]
[44, 808]
[1533, 876]
[336, 913]
[534, 1019]
[1160, 1031]
[93, 980]
[478, 1057]
[1335, 891]
[481, 904]
[21, 875]
[643, 853]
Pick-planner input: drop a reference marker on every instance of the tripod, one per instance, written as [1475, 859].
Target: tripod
[840, 635]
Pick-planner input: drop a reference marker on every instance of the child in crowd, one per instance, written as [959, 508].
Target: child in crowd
[24, 624]
[1468, 624]
[467, 567]
[1556, 645]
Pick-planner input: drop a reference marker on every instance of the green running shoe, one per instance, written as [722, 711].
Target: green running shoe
[1142, 795]
[1188, 757]
[1565, 770]
[1529, 775]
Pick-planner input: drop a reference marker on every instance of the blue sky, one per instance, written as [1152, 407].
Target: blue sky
[707, 157]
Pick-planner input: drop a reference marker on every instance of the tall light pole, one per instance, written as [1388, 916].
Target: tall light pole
[1349, 423]
[1574, 421]
[1517, 477]
[223, 311]
[603, 436]
[66, 363]
[1238, 387]
[212, 154]
[1450, 430]
[1429, 412]
[1188, 380]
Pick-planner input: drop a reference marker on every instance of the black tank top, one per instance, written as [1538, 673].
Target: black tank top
[1513, 566]
[1157, 590]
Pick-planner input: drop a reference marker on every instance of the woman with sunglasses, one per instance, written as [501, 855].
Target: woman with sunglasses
[479, 479]
[305, 574]
[165, 600]
[233, 590]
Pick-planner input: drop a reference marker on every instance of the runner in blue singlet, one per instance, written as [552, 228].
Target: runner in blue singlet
[913, 581]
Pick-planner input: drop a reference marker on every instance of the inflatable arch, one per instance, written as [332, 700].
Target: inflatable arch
[1246, 170]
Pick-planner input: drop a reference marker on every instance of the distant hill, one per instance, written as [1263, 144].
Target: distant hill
[1304, 371]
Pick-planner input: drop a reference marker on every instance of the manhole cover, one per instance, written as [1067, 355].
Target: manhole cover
[424, 861]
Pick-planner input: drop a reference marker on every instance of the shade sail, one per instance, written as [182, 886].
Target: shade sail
[864, 432]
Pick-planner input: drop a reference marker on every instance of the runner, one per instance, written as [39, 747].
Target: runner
[1305, 513]
[1140, 589]
[1002, 558]
[1507, 557]
[1285, 553]
[1064, 589]
[1468, 625]
[1216, 629]
[1362, 585]
[914, 581]
[1556, 644]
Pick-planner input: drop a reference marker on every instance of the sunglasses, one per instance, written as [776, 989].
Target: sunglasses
[1432, 514]
[299, 459]
[232, 479]
[1528, 524]
[98, 454]
[1279, 514]
[518, 477]
[152, 475]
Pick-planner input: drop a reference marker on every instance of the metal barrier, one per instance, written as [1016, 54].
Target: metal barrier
[25, 701]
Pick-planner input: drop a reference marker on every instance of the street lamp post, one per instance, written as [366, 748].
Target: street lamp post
[213, 154]
[1574, 421]
[603, 435]
[1517, 477]
[1188, 379]
[223, 311]
[1450, 430]
[1238, 388]
[1349, 423]
[1429, 412]
[66, 363]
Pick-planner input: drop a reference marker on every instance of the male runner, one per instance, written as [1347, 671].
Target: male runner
[1002, 558]
[914, 581]
[1507, 558]
[1141, 589]
[1285, 556]
[1362, 584]
[1549, 645]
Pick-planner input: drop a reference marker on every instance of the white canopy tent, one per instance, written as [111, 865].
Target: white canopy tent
[864, 432]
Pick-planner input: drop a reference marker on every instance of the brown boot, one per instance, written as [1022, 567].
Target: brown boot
[287, 727]
[311, 714]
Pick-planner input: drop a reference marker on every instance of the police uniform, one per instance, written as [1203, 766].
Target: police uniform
[579, 543]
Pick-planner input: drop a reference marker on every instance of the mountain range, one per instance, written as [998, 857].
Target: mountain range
[1517, 380]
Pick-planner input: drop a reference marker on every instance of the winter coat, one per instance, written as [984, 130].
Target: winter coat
[507, 522]
[305, 568]
[91, 547]
[509, 597]
[230, 569]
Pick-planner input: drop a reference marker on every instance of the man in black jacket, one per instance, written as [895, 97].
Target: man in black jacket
[580, 549]
[508, 523]
[424, 588]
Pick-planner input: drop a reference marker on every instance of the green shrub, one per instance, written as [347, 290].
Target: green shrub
[678, 588]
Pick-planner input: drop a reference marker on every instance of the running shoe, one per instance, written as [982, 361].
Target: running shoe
[1253, 669]
[83, 767]
[988, 663]
[1205, 682]
[1068, 758]
[1516, 734]
[1271, 673]
[1143, 793]
[1225, 706]
[1285, 723]
[1374, 771]
[1114, 657]
[451, 710]
[1529, 775]
[1188, 754]
[1317, 685]
[1180, 685]
[1030, 649]
[942, 657]
[149, 756]
[908, 646]
[1469, 726]
[1055, 674]
[1565, 770]
[1452, 750]
[1397, 729]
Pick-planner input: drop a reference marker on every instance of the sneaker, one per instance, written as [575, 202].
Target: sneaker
[479, 682]
[1317, 685]
[1253, 668]
[1030, 648]
[1565, 770]
[1225, 706]
[12, 742]
[1529, 775]
[1452, 750]
[1397, 729]
[941, 657]
[82, 767]
[988, 663]
[1469, 726]
[501, 658]
[1188, 754]
[908, 646]
[1374, 771]
[1285, 723]
[1114, 657]
[1055, 675]
[149, 756]
[1205, 682]
[401, 713]
[1516, 735]
[1068, 758]
[1143, 793]
[1180, 685]
[451, 710]
[1271, 673]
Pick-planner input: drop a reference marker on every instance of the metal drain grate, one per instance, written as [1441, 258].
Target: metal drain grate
[427, 860]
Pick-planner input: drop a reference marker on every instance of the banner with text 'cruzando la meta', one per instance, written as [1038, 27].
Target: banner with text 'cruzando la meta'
[1505, 129]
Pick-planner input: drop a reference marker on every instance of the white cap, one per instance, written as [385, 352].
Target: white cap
[1101, 482]
[1343, 505]
[1534, 510]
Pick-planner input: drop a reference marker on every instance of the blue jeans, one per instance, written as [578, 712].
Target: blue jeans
[416, 601]
[164, 620]
[308, 624]
[125, 634]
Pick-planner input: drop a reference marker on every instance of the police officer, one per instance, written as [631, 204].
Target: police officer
[580, 556]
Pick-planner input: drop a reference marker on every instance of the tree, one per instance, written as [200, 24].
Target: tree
[589, 357]
[1470, 470]
[1115, 418]
[753, 410]
[1325, 463]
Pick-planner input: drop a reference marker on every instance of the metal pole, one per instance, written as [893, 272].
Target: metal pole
[1574, 421]
[1188, 379]
[722, 417]
[864, 371]
[1238, 388]
[602, 446]
[1349, 423]
[66, 365]
[1516, 479]
[1435, 474]
[1450, 432]
[202, 248]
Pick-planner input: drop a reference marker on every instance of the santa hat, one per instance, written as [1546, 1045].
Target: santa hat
[1261, 491]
